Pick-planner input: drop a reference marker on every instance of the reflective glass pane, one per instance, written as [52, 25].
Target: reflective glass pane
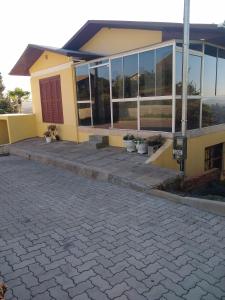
[156, 115]
[100, 97]
[193, 114]
[117, 78]
[125, 115]
[130, 69]
[213, 112]
[147, 73]
[220, 89]
[164, 71]
[192, 46]
[84, 114]
[194, 74]
[82, 81]
[209, 85]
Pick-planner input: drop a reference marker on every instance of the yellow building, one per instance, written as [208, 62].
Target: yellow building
[114, 78]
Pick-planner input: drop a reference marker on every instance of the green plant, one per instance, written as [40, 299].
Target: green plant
[155, 141]
[128, 137]
[53, 131]
[140, 140]
[47, 133]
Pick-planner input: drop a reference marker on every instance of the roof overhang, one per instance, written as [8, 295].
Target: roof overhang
[210, 32]
[33, 52]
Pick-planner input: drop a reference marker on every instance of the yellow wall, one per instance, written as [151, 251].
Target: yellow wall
[195, 164]
[4, 137]
[48, 60]
[67, 130]
[113, 40]
[19, 126]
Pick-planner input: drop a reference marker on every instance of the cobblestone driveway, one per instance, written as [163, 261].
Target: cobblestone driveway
[67, 237]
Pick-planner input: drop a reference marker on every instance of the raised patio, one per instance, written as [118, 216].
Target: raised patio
[110, 164]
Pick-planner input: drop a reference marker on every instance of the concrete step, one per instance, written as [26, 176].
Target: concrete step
[99, 141]
[4, 150]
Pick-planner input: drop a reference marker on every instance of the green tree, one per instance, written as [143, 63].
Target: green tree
[2, 87]
[17, 96]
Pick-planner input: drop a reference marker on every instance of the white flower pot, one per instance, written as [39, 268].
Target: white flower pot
[130, 145]
[142, 148]
[48, 139]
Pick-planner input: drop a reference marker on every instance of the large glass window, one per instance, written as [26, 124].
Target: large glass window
[100, 96]
[125, 115]
[213, 112]
[156, 115]
[82, 81]
[147, 73]
[193, 114]
[117, 78]
[210, 58]
[84, 114]
[130, 69]
[164, 71]
[194, 74]
[220, 88]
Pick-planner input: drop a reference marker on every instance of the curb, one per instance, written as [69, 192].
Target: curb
[215, 207]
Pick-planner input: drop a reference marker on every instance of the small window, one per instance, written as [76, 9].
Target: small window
[51, 100]
[213, 157]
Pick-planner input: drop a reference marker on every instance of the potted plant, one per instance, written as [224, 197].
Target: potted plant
[129, 143]
[48, 136]
[154, 143]
[141, 146]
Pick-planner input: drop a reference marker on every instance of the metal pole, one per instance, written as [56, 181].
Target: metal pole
[185, 70]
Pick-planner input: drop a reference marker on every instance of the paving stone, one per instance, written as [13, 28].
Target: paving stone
[195, 293]
[171, 296]
[134, 295]
[217, 292]
[80, 236]
[83, 296]
[87, 266]
[137, 285]
[118, 277]
[43, 287]
[21, 292]
[83, 276]
[80, 288]
[189, 282]
[171, 275]
[101, 283]
[117, 290]
[43, 296]
[156, 292]
[96, 294]
[176, 288]
[64, 281]
[58, 293]
[29, 280]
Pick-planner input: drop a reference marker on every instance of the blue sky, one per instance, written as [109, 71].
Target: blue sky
[53, 22]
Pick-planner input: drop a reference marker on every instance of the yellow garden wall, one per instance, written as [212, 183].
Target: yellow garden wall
[113, 40]
[196, 153]
[17, 126]
[4, 136]
[59, 66]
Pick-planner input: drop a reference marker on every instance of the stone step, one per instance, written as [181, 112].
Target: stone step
[4, 150]
[99, 141]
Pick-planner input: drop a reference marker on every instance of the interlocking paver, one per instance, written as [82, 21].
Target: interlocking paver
[68, 237]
